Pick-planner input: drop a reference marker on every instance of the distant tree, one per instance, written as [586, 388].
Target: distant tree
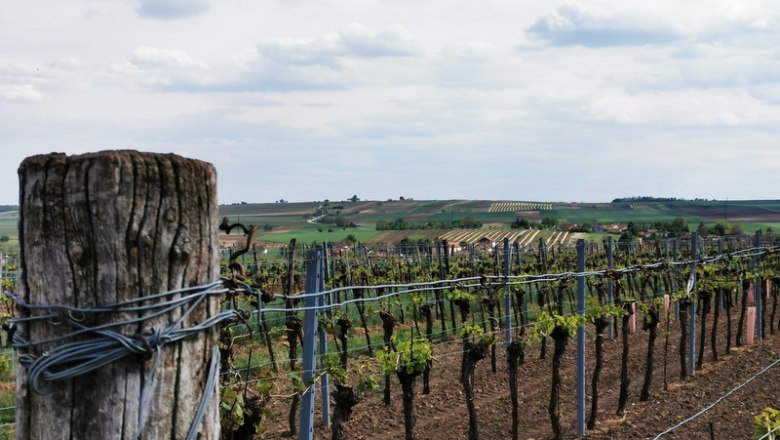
[267, 227]
[354, 199]
[399, 224]
[350, 239]
[625, 240]
[5, 238]
[401, 198]
[679, 227]
[520, 223]
[633, 229]
[470, 223]
[645, 199]
[549, 222]
[424, 242]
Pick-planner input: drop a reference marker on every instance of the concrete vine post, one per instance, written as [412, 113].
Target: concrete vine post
[104, 228]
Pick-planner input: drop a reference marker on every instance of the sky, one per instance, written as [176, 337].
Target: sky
[305, 100]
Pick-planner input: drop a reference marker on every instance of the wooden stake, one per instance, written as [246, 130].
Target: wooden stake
[100, 228]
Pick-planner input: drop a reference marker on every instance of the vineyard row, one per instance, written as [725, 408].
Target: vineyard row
[476, 290]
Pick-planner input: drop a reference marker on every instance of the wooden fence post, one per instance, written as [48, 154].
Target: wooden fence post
[97, 229]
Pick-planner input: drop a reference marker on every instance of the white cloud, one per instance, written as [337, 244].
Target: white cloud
[154, 57]
[324, 50]
[361, 41]
[575, 24]
[470, 51]
[697, 107]
[20, 92]
[325, 62]
[656, 23]
[354, 41]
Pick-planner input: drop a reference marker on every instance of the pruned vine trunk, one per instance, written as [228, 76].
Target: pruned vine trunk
[727, 301]
[625, 378]
[560, 338]
[742, 312]
[514, 357]
[475, 352]
[601, 324]
[388, 326]
[652, 333]
[407, 381]
[345, 399]
[683, 338]
[425, 310]
[714, 331]
[706, 301]
[344, 324]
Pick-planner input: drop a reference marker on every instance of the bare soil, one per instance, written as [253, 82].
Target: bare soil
[442, 414]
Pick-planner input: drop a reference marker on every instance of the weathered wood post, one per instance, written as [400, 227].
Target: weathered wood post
[102, 228]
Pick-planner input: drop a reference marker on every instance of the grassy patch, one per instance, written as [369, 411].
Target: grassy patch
[311, 233]
[7, 407]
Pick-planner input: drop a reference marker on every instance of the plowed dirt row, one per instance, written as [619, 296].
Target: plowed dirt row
[442, 414]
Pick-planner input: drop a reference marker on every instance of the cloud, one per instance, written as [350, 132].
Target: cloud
[21, 92]
[469, 51]
[574, 24]
[711, 108]
[324, 50]
[154, 57]
[330, 61]
[354, 41]
[391, 42]
[171, 9]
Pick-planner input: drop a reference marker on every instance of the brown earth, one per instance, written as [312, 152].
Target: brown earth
[442, 414]
[733, 213]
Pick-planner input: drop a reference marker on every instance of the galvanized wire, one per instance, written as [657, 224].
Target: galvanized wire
[76, 358]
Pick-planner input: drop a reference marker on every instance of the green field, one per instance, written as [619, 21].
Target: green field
[9, 224]
[310, 233]
[289, 220]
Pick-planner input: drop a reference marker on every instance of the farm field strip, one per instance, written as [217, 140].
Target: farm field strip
[554, 238]
[474, 236]
[518, 206]
[528, 238]
[460, 235]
